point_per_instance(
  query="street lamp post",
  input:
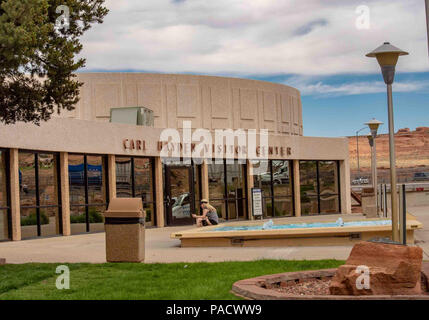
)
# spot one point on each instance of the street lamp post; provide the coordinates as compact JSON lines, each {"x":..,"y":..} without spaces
{"x":373,"y":126}
{"x":387,"y":57}
{"x":427,"y":20}
{"x":357,"y":149}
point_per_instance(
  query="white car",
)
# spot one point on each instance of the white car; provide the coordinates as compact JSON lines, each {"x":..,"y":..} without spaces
{"x":182,"y":206}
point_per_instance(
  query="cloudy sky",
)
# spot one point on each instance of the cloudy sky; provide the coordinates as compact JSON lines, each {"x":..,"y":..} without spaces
{"x":317,"y":46}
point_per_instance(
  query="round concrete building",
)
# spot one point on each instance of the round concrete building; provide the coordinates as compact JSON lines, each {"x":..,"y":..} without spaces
{"x":209,"y":102}
{"x":58,"y":178}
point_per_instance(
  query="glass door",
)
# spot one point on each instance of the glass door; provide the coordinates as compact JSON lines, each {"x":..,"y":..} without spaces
{"x":180,"y":195}
{"x":236,"y":190}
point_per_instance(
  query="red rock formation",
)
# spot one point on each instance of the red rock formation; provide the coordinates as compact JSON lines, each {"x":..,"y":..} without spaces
{"x":405,"y":130}
{"x":393,"y":270}
{"x":412,"y":149}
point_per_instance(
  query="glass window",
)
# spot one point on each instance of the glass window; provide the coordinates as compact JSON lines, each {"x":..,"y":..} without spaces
{"x":329,"y":204}
{"x":96,"y":183}
{"x":4,"y":224}
{"x":144,"y":186}
{"x":227,"y":188}
{"x":309,"y":205}
{"x":88,"y":192}
{"x":48,"y":193}
{"x":124,"y":186}
{"x":308,"y":177}
{"x":275,"y":180}
{"x":281,"y":179}
{"x":216,"y":181}
{"x":262,"y":177}
{"x":143,"y":179}
{"x":4,"y":205}
{"x":134,"y":178}
{"x":40,"y":206}
{"x":328,"y":177}
{"x":283,"y":207}
{"x":319,"y":187}
{"x":268,"y":206}
{"x":77,"y":179}
{"x":197,"y":188}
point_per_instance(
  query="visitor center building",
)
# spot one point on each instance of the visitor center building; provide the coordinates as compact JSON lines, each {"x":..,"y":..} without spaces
{"x":58,"y":178}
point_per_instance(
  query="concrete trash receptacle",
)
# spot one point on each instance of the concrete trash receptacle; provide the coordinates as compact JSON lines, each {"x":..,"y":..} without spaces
{"x":124,"y":225}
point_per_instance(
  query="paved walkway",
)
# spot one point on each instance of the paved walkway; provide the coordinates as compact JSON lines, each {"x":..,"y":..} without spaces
{"x":160,"y":248}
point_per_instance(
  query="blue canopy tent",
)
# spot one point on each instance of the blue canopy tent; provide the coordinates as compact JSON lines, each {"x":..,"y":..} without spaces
{"x":77,"y":176}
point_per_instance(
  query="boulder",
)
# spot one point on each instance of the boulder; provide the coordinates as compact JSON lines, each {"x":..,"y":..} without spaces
{"x":393,"y":270}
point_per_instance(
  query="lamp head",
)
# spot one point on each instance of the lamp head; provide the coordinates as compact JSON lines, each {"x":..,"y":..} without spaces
{"x":387,"y":57}
{"x":386,"y":54}
{"x":373,"y":125}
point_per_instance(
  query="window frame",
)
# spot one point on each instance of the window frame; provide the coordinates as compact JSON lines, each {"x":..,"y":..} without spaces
{"x":56,"y":156}
{"x":272,"y":197}
{"x":319,"y":195}
{"x":6,"y":154}
{"x":225,"y":198}
{"x":133,"y":182}
{"x":88,"y":205}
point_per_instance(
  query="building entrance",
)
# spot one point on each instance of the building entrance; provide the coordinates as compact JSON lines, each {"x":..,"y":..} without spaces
{"x":179,"y":194}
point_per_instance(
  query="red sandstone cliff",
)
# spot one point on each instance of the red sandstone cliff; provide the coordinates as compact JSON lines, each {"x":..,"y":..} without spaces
{"x":412,"y":149}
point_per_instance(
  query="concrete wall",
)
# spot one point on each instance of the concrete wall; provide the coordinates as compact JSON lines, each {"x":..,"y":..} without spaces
{"x":81,"y":136}
{"x":209,"y":102}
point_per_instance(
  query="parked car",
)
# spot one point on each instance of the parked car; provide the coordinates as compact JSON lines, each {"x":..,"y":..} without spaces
{"x":360,"y":180}
{"x":182,"y":206}
{"x":421,"y":176}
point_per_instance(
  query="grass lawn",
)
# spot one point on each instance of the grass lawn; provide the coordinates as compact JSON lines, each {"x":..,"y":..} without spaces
{"x":179,"y":281}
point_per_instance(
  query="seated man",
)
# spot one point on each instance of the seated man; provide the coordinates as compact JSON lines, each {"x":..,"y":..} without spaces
{"x":209,"y":216}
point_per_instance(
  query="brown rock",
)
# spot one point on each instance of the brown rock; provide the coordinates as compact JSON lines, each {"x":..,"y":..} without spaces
{"x":2,"y":261}
{"x":404,"y":130}
{"x":393,"y":270}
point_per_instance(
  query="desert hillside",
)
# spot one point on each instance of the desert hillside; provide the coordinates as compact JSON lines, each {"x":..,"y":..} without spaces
{"x":412,"y":149}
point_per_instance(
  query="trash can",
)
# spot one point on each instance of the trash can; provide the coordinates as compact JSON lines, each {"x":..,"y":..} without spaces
{"x":124,"y":226}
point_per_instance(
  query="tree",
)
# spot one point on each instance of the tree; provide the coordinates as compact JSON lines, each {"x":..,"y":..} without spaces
{"x":38,"y":55}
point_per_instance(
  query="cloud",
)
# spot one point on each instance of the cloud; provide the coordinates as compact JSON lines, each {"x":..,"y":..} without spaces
{"x":305,"y":29}
{"x":311,"y":37}
{"x":321,"y":89}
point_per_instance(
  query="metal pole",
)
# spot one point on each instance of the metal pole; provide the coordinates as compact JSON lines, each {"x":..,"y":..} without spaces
{"x":404,"y":225}
{"x":357,"y":150}
{"x":375,"y":174}
{"x":401,"y":216}
{"x":404,"y":213}
{"x":427,"y":20}
{"x":393,"y":189}
{"x":385,"y":200}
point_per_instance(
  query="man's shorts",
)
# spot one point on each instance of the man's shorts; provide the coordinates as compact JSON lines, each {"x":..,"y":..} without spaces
{"x":205,"y":224}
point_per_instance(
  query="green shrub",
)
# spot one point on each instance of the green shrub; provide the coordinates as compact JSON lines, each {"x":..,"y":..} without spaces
{"x":277,"y":212}
{"x":77,"y":218}
{"x":31,"y":219}
{"x":94,"y":217}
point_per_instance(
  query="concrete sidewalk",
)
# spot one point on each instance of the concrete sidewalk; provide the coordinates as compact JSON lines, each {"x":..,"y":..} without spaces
{"x":160,"y":248}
